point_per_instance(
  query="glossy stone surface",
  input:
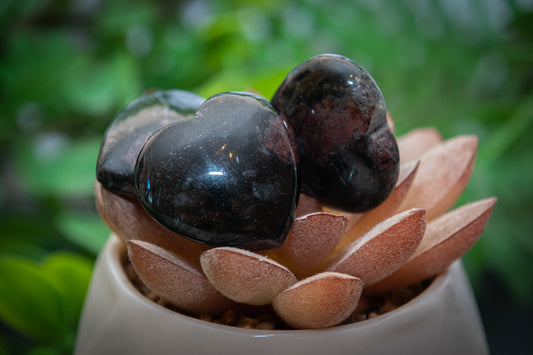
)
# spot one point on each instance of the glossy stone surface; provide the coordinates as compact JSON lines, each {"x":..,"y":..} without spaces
{"x":129,"y":131}
{"x":349,"y":156}
{"x":226,"y":178}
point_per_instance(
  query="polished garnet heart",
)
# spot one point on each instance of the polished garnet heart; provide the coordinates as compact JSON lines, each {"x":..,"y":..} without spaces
{"x":129,"y":131}
{"x":349,"y":156}
{"x":226,"y":177}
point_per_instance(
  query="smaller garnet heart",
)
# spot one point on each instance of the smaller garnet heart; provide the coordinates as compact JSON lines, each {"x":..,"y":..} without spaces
{"x":228,"y":177}
{"x":349,"y":155}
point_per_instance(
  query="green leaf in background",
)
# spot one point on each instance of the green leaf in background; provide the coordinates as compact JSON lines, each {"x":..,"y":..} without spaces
{"x":103,"y":85}
{"x":30,"y":236}
{"x":43,"y":301}
{"x":56,"y":165}
{"x":507,"y":245}
{"x":72,"y":274}
{"x":51,"y":57}
{"x":3,"y":345}
{"x":86,"y":231}
{"x":509,"y":132}
{"x":44,"y":350}
{"x":268,"y":83}
{"x":118,"y":16}
{"x":30,"y":300}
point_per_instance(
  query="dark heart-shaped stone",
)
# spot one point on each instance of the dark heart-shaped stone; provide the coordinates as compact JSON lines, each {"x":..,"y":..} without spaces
{"x":226,"y":178}
{"x":348,"y":153}
{"x":129,"y":131}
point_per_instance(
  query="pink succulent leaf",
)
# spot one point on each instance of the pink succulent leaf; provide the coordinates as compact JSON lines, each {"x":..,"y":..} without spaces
{"x":415,"y":143}
{"x":244,"y":276}
{"x":443,"y":174}
{"x":174,"y":279}
{"x":307,"y":205}
{"x":351,"y":218}
{"x":310,"y":240}
{"x":446,"y":239}
{"x":320,"y":301}
{"x":390,"y":121}
{"x":127,"y":219}
{"x":384,"y":249}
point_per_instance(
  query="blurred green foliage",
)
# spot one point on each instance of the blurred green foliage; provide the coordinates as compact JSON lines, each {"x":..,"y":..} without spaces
{"x":67,"y":67}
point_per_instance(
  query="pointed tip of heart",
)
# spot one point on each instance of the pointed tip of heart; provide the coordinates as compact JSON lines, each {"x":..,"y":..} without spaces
{"x":320,"y":301}
{"x":244,"y":276}
{"x":173,"y":279}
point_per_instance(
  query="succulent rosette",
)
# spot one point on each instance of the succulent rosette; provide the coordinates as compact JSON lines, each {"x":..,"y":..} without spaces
{"x":305,"y":204}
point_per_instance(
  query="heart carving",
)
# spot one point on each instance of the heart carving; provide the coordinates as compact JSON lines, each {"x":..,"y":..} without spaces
{"x":227,"y":177}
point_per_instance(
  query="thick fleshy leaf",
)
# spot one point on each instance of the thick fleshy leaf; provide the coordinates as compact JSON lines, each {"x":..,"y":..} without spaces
{"x":72,"y":273}
{"x":371,"y":218}
{"x":351,"y":218}
{"x":310,"y":240}
{"x":443,"y":174}
{"x":175,"y":280}
{"x":415,"y":143}
{"x":30,"y":300}
{"x":320,"y":301}
{"x":244,"y":276}
{"x":446,"y":239}
{"x":127,"y":219}
{"x":43,"y":301}
{"x":384,"y":248}
{"x":307,"y":205}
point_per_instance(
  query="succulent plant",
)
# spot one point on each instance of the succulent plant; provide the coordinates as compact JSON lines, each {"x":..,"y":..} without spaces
{"x":321,"y":260}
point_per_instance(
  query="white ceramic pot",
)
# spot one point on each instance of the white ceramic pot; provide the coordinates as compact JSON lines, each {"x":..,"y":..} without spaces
{"x":117,"y":319}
